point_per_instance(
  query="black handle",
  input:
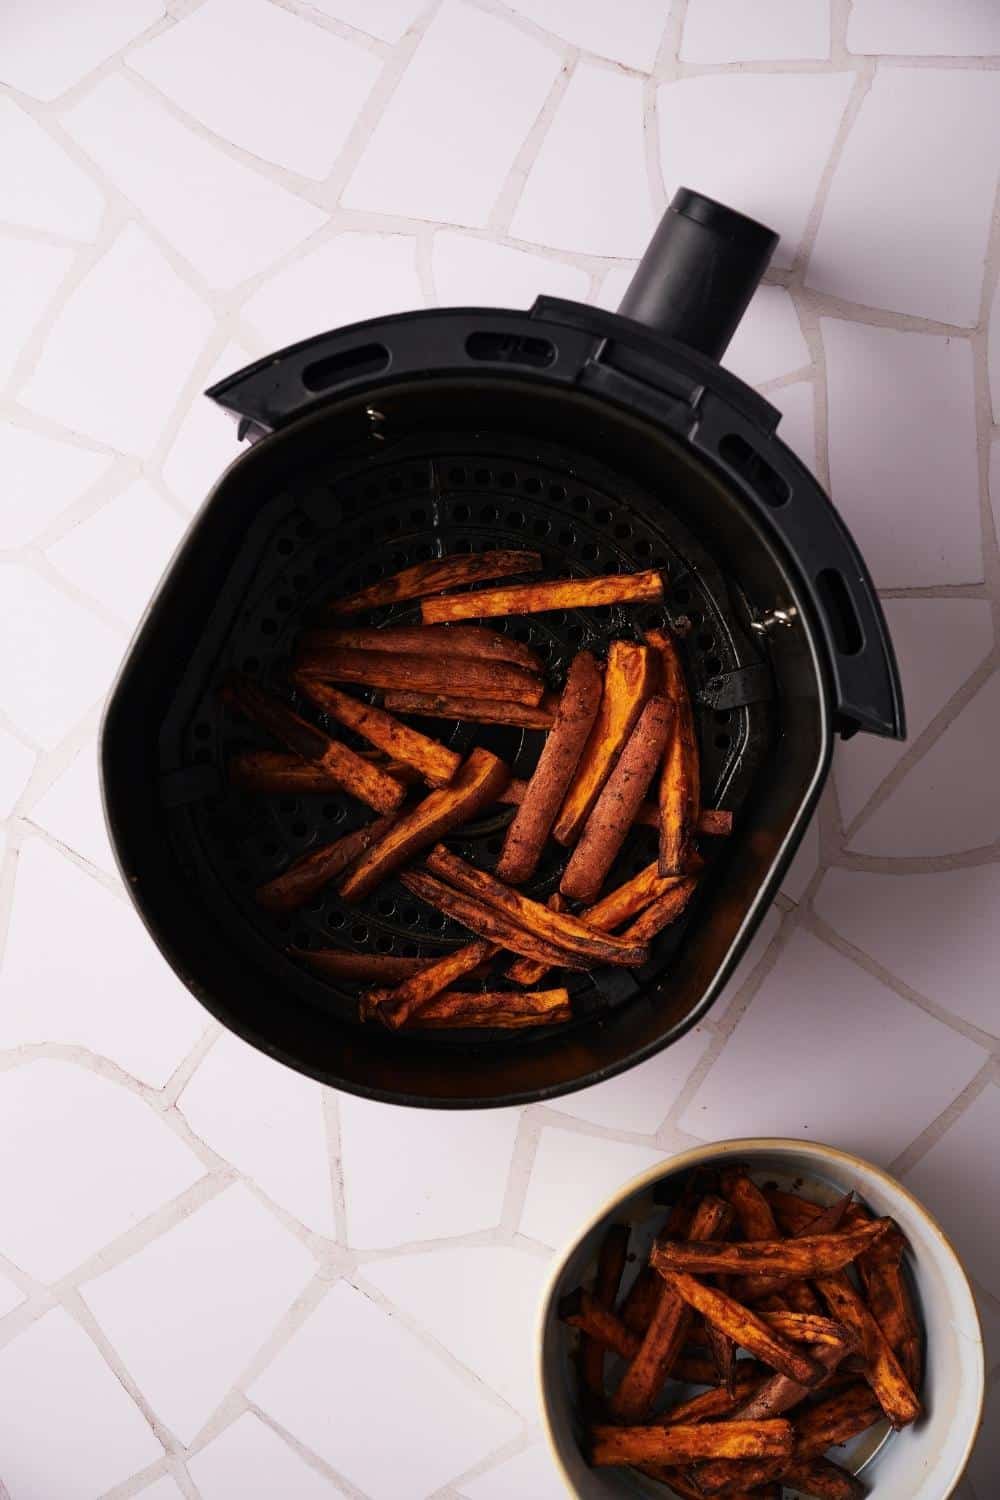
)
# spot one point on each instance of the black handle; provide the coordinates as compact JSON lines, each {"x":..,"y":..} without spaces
{"x":697,"y":276}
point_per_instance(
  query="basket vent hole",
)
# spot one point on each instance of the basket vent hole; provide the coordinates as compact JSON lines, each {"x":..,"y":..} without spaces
{"x":623,"y":530}
{"x":436,"y":920}
{"x":713,"y":665}
{"x":383,"y":944}
{"x":489,"y":513}
{"x":508,"y":479}
{"x":531,"y":485}
{"x":706,"y":640}
{"x":457,"y":476}
{"x":515,"y":518}
{"x":567,"y":538}
{"x":386,"y":906}
{"x":590,"y":551}
{"x":461,"y":513}
{"x":541,"y":527}
{"x":359,"y":933}
{"x":581,"y":504}
{"x":483,"y":476}
{"x":336,"y":920}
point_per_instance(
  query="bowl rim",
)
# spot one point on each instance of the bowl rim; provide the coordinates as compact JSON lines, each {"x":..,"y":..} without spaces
{"x":694,"y":1156}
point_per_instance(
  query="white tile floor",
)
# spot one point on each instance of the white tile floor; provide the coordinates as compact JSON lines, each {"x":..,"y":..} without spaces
{"x":212,"y":1272}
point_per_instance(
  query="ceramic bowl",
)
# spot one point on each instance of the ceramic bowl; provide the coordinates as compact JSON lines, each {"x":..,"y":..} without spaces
{"x":923,"y":1462}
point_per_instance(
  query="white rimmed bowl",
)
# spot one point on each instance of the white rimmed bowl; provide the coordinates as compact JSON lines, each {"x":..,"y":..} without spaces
{"x":925,"y":1461}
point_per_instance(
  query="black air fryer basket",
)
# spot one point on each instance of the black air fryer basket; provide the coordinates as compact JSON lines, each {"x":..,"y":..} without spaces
{"x":608,"y":442}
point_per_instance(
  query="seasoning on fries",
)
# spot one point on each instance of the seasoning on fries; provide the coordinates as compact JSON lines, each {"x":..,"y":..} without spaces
{"x":534,"y":598}
{"x":433,"y":577}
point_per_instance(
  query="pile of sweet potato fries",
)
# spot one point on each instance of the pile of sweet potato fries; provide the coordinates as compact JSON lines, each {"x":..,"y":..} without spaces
{"x":817,"y":1298}
{"x":613,"y":730}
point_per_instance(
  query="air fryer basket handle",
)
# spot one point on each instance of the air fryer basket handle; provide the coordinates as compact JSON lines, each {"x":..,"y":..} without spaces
{"x":698,"y":274}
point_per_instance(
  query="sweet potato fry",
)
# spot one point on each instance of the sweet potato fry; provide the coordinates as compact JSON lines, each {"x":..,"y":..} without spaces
{"x":533,"y":598}
{"x":644,"y":1295}
{"x":882,"y":1369}
{"x":743,"y":1327}
{"x":559,"y":928}
{"x":806,"y":1328}
{"x":557,"y":763}
{"x":695,"y":1369}
{"x":836,"y":1419}
{"x":427,"y":640}
{"x":884,"y":1281}
{"x":677,"y":1481}
{"x":522,"y":970}
{"x":610,"y":1265}
{"x":349,"y":770}
{"x":434,"y":761}
{"x":474,"y":710}
{"x":723,"y":1352}
{"x":630,"y":679}
{"x":307,"y":875}
{"x":719,"y":1402}
{"x":662,"y":1342}
{"x":824,"y":1480}
{"x":487,"y":922}
{"x":582,"y":1309}
{"x":376,"y":968}
{"x":395,"y":1007}
{"x":613,"y":813}
{"x":495,"y":680}
{"x":688,"y":1443}
{"x":680,"y":779}
{"x":756,"y":1220}
{"x":661,"y":912}
{"x":477,"y":782}
{"x":779,"y":1393}
{"x":713,"y":822}
{"x":433,"y":577}
{"x":809,"y":1255}
{"x":502,"y":1010}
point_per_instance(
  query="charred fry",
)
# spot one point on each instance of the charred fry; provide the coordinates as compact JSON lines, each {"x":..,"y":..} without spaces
{"x":680,"y":779}
{"x":718,"y":1402}
{"x":495,"y":680}
{"x":806,"y":1328}
{"x":757,"y":1222}
{"x":779,"y":1393}
{"x":488,"y":922}
{"x":713,"y":822}
{"x":743,"y":1327}
{"x":396,"y":1007}
{"x":613,"y":813}
{"x":434,"y":761}
{"x":503,"y":1010}
{"x":610,"y":1265}
{"x":882,"y":1369}
{"x":305,"y":876}
{"x":428,"y":640}
{"x":688,"y":1443}
{"x":378,"y":968}
{"x":661,"y":912}
{"x":805,"y":1256}
{"x":477,"y":782}
{"x":475,"y":710}
{"x":433,"y":577}
{"x":823,"y":1480}
{"x":533,"y":598}
{"x":581,"y":1309}
{"x":552,"y":775}
{"x":522,"y":970}
{"x":881,"y":1272}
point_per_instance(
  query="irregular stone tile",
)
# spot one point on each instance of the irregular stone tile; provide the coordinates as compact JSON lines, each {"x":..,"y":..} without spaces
{"x":477,"y":273}
{"x":10,"y":1296}
{"x":137,"y":524}
{"x":768,"y":341}
{"x":41,"y":478}
{"x":629,"y":34}
{"x":787,"y":117}
{"x":938,"y":932}
{"x":95,"y":374}
{"x":16,"y":763}
{"x":907,"y":177}
{"x":948,"y":802}
{"x":756,"y":949}
{"x":268,"y":1121}
{"x":35,"y":64}
{"x":188,"y":1311}
{"x":817,"y":1009}
{"x":922,"y":27}
{"x":410,"y":1175}
{"x":531,"y":1472}
{"x":350,"y":278}
{"x":380,"y":1366}
{"x":571,"y":1176}
{"x":280,"y":87}
{"x":984,"y":1464}
{"x":724,"y":31}
{"x":797,"y":428}
{"x":615,"y":285}
{"x":959,"y":1180}
{"x":902,"y":434}
{"x":938,"y":644}
{"x":102,"y":985}
{"x":480,"y":1303}
{"x":57,"y":1385}
{"x":420,"y":160}
{"x":386,"y":19}
{"x":206,"y":442}
{"x":805,"y":864}
{"x":71,"y":810}
{"x":226,"y":219}
{"x":58,"y":659}
{"x":587,"y":189}
{"x":641,"y":1098}
{"x":84,"y":1160}
{"x":30,"y":274}
{"x":250,"y":1460}
{"x":40,"y":187}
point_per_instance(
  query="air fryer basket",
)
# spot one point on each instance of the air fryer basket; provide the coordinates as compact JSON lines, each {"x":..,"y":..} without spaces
{"x":498,"y":447}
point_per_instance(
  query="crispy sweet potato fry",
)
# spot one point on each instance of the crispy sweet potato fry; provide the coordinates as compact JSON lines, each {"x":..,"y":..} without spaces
{"x":533,"y":598}
{"x":395,"y":1007}
{"x":487,"y":922}
{"x":433,"y":577}
{"x":434,"y":761}
{"x":680,"y":779}
{"x":376,"y":968}
{"x":477,"y":782}
{"x":836,"y":1419}
{"x":560,"y":928}
{"x":610,"y":1265}
{"x":757,"y":1222}
{"x":350,"y":771}
{"x":662,"y":911}
{"x":474,"y":710}
{"x":662,"y":1342}
{"x":808,"y":1255}
{"x":824,"y":1480}
{"x":502,"y":1010}
{"x":712,"y":822}
{"x":688,"y":1443}
{"x":613,"y":813}
{"x":806,"y":1328}
{"x":719,"y":1402}
{"x":687,"y":1489}
{"x":581,"y":1309}
{"x":779,"y":1393}
{"x":630,"y":678}
{"x":644,"y":1295}
{"x":546,"y":789}
{"x":884,"y":1281}
{"x":307,"y":875}
{"x":743,"y":1327}
{"x":495,"y":680}
{"x":522,"y":970}
{"x":695,"y":1369}
{"x":427,"y":640}
{"x":882,"y":1369}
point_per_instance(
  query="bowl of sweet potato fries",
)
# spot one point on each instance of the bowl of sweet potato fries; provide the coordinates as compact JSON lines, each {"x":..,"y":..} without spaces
{"x":761,"y":1318}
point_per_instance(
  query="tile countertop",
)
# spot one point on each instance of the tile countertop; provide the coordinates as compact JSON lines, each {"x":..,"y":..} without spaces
{"x":220,"y":1268}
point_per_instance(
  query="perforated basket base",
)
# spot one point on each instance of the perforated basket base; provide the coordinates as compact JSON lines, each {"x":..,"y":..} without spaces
{"x":349,"y":526}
